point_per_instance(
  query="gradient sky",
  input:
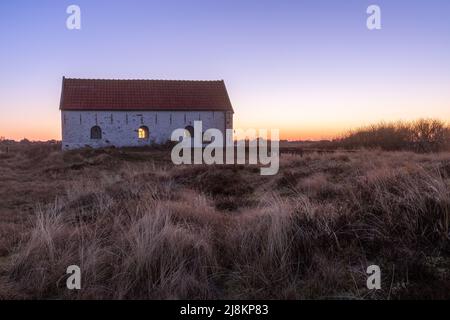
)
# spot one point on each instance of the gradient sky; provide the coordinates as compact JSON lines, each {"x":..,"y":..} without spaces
{"x":310,"y":68}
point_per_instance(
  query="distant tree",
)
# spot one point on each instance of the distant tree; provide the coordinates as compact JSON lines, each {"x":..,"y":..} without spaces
{"x":429,"y":135}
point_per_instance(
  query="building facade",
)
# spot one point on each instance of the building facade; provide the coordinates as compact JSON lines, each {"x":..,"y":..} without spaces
{"x":133,"y":113}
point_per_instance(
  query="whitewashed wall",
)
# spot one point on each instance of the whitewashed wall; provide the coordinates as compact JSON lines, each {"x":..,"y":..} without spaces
{"x":120,"y":128}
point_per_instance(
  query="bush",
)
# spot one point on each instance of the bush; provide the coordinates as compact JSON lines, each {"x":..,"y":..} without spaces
{"x":424,"y":135}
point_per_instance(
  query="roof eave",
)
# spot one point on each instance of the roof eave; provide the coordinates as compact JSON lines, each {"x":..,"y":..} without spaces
{"x":61,"y":100}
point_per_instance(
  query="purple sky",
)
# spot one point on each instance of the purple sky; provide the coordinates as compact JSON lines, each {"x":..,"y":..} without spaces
{"x":310,"y":68}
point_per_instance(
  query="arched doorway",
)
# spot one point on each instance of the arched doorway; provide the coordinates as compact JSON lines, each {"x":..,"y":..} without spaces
{"x":189,"y":132}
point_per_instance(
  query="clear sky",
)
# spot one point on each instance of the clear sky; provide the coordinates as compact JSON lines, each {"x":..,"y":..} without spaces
{"x":310,"y":68}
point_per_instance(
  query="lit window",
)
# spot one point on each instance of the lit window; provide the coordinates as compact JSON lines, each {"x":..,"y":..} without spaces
{"x":143,"y":133}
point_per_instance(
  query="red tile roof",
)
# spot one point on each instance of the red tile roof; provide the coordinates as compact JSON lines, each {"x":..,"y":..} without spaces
{"x":89,"y":94}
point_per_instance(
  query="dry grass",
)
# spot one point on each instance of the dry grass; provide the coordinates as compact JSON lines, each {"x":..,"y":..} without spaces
{"x":140,"y":228}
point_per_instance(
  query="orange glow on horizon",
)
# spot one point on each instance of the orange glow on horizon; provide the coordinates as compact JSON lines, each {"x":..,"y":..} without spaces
{"x":41,"y":133}
{"x":54,"y":134}
{"x":48,"y":127}
{"x":310,"y":132}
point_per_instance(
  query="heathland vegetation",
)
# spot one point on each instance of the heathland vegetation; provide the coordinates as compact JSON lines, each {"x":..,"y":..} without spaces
{"x":424,"y":135}
{"x":140,"y":227}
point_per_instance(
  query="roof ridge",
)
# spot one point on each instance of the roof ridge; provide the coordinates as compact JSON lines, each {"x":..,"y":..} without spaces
{"x":171,"y":80}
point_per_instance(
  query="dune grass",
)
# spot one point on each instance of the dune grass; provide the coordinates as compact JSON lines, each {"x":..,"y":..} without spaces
{"x":140,"y":228}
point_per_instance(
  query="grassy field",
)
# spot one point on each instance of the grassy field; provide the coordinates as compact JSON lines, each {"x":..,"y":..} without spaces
{"x":141,"y":228}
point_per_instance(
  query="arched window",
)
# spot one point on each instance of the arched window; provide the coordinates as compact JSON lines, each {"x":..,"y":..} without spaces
{"x":143,"y":133}
{"x":189,"y":131}
{"x":96,"y":133}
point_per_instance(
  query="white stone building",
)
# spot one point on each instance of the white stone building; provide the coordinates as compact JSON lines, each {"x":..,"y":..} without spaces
{"x":131,"y":113}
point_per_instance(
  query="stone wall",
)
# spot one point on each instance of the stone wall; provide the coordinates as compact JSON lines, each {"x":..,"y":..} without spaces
{"x":120,"y":128}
